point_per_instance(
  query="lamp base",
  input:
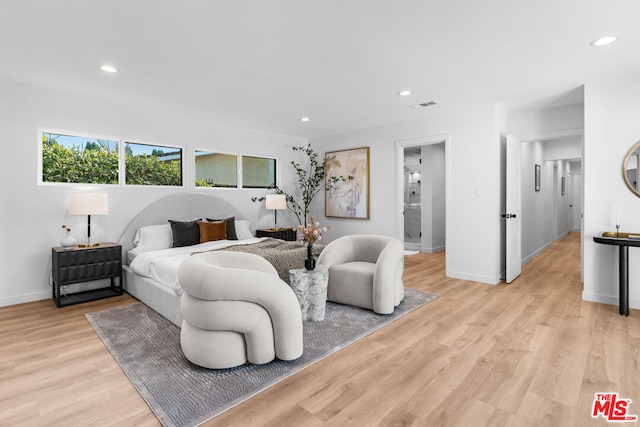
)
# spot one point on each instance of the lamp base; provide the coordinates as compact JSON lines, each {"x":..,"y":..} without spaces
{"x":88,"y":245}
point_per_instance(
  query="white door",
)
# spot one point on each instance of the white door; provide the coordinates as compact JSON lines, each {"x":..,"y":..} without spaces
{"x":576,"y":192}
{"x":513,"y":215}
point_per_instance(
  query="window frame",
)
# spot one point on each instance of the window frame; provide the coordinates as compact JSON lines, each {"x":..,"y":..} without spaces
{"x":260,"y":156}
{"x":214,"y":151}
{"x":183,"y":155}
{"x":66,"y":132}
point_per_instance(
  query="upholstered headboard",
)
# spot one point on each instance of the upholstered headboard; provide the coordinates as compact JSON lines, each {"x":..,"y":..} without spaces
{"x":179,"y":206}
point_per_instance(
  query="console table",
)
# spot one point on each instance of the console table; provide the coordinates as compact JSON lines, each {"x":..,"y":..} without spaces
{"x":623,"y":269}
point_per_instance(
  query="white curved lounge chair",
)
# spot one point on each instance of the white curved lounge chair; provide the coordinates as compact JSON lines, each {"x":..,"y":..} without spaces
{"x":365,"y":271}
{"x":236,"y":309}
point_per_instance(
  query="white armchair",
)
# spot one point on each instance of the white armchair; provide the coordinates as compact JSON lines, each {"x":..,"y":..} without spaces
{"x":236,"y":309}
{"x":365,"y":271}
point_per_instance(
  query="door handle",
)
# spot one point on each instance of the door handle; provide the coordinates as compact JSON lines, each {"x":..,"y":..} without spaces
{"x":507,"y":216}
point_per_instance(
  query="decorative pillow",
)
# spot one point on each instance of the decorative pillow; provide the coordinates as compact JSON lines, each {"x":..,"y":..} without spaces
{"x":210,"y":231}
{"x":243,"y":230}
{"x":152,"y":237}
{"x":185,"y":233}
{"x":231,"y":226}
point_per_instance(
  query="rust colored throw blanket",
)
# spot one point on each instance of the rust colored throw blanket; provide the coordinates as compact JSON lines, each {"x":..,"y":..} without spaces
{"x":284,"y":256}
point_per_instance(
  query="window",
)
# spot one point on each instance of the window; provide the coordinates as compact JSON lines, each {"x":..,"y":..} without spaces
{"x":152,"y":164}
{"x":216,"y":169}
{"x":258,"y":172}
{"x":78,"y":159}
{"x":70,"y":157}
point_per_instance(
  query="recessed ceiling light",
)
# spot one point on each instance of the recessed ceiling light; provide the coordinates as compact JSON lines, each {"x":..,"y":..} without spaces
{"x":304,"y":119}
{"x":404,"y":93}
{"x":603,"y":41}
{"x":108,"y":68}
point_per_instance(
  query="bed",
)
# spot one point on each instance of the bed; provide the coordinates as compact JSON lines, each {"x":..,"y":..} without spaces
{"x":150,"y":264}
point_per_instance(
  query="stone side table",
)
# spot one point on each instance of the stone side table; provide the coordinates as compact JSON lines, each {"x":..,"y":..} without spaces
{"x":311,"y":289}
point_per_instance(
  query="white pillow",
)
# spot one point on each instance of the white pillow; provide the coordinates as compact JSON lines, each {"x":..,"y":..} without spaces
{"x":152,"y":237}
{"x":243,"y":229}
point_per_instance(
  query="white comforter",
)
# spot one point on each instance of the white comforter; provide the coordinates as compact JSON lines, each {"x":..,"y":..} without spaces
{"x":162,"y":265}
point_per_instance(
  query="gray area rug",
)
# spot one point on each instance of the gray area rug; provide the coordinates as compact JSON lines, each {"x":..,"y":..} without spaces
{"x":147,"y":347}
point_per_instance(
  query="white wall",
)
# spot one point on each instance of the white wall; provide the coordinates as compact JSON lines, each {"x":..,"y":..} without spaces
{"x":32,"y":215}
{"x":536,"y":205}
{"x":611,"y":116}
{"x":473,"y":179}
{"x":563,"y":149}
{"x":433,"y":173}
{"x":534,"y":124}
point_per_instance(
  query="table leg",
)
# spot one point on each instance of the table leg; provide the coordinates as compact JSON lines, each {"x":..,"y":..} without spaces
{"x":624,"y":280}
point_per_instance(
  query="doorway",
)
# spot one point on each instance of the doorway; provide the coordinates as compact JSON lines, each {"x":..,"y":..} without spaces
{"x":422,"y":185}
{"x":412,"y":198}
{"x":552,"y":210}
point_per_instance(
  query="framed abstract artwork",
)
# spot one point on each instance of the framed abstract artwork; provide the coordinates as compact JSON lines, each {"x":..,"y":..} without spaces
{"x":347,"y":183}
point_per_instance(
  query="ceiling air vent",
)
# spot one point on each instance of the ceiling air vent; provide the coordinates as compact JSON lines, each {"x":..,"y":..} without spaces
{"x":424,"y":104}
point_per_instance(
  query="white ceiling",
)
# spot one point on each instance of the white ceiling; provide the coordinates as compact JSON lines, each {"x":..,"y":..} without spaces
{"x":264,"y":64}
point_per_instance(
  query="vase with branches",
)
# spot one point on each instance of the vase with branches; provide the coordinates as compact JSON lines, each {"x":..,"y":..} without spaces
{"x":311,"y":180}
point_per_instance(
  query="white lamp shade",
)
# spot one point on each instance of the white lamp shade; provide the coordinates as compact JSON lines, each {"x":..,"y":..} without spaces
{"x":276,"y":201}
{"x":88,"y":204}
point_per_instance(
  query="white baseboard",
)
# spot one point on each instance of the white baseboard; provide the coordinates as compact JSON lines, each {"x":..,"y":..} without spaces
{"x":21,"y":299}
{"x":536,"y":253}
{"x":473,"y":277}
{"x":434,"y":250}
{"x":46,"y":294}
{"x":410,"y":246}
{"x":609,"y":299}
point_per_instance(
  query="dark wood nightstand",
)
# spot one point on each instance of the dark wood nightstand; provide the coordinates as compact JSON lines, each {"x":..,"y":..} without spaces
{"x":288,"y":234}
{"x":79,"y":265}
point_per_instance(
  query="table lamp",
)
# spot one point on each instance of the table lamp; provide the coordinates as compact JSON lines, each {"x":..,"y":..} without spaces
{"x":276,"y":202}
{"x":88,"y":204}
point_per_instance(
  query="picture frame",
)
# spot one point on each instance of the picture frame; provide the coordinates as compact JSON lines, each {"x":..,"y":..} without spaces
{"x":348,"y":196}
{"x":537,"y":177}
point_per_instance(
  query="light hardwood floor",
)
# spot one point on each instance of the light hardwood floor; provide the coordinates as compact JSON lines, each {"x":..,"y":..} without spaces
{"x":528,"y":353}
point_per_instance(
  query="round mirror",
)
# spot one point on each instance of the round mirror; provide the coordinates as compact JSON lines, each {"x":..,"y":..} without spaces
{"x":630,"y":169}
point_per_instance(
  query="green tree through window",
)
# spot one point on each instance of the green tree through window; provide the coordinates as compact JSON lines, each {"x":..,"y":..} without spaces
{"x":79,"y":160}
{"x":84,"y":160}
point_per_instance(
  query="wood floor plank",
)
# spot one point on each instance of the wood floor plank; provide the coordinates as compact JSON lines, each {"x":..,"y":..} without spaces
{"x":528,"y":353}
{"x":536,"y":411}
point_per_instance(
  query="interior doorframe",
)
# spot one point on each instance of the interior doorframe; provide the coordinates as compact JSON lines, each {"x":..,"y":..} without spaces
{"x":548,"y":136}
{"x":400,"y":145}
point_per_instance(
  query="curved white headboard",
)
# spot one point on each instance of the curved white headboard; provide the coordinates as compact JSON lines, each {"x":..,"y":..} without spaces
{"x":180,"y":207}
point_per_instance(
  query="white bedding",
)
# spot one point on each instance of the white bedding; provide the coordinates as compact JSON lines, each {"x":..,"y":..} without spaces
{"x":162,"y":265}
